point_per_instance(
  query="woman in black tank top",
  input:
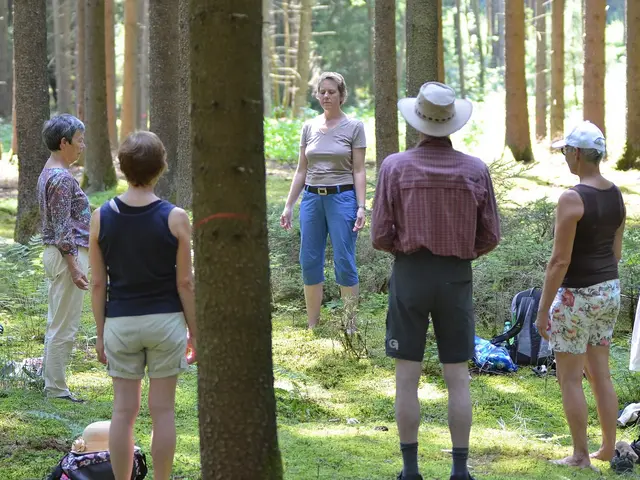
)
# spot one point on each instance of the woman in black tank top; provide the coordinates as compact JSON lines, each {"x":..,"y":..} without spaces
{"x":581,"y":294}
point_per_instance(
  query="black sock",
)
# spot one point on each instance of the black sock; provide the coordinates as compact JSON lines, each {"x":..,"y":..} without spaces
{"x":460,"y":457}
{"x":409,"y":458}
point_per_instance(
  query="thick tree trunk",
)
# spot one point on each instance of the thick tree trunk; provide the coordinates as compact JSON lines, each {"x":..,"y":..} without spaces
{"x":142,"y":111}
{"x":80,"y":56}
{"x":61,"y":47}
{"x":110,"y":56}
{"x":517,"y":121}
{"x":631,"y":155}
{"x":184,"y":182}
{"x":128,"y":120}
{"x":99,"y":172}
{"x":386,"y":82}
{"x":458,"y":40}
{"x":440,"y":45}
{"x":557,"y":70}
{"x":267,"y":22}
{"x":370,"y":14}
{"x":233,"y":303}
{"x":475,"y":5}
{"x":422,"y":51}
{"x":32,"y":108}
{"x":14,"y":130}
{"x":6,"y":59}
{"x":304,"y":51}
{"x":595,"y":21}
{"x":541,"y":70}
{"x":163,"y":89}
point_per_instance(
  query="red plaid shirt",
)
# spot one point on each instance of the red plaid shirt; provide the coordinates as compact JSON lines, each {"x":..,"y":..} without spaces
{"x":437,"y":198}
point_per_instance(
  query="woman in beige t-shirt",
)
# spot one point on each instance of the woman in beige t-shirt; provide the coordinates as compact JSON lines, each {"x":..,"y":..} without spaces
{"x":332,"y":174}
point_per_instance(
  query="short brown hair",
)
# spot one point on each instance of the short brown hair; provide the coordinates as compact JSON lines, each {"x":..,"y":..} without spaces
{"x":339,"y":79}
{"x":143,"y":158}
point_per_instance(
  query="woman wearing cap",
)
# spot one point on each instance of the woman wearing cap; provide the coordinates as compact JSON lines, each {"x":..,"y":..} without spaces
{"x":140,"y":253}
{"x":331,"y":172}
{"x":581,"y":294}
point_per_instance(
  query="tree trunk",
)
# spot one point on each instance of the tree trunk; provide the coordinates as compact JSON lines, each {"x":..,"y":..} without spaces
{"x":99,"y":172}
{"x":184,"y":182}
{"x":386,"y":82}
{"x":304,"y":51}
{"x":541,"y":69}
{"x":142,"y":111}
{"x":80,"y":56}
{"x":440,"y":45}
{"x":130,"y":81}
{"x":422,"y":51}
{"x":500,"y":50}
{"x":401,"y":53}
{"x":267,"y":22}
{"x":476,"y":15}
{"x":517,"y":121}
{"x":631,"y":155}
{"x":6,"y":59}
{"x":110,"y":56}
{"x":595,"y":21}
{"x":164,"y":54}
{"x":61,"y":45}
{"x":490,"y":39}
{"x":286,"y":93}
{"x":557,"y":70}
{"x":233,"y":304}
{"x":458,"y":41}
{"x":14,"y":130}
{"x":370,"y":14}
{"x":32,"y":108}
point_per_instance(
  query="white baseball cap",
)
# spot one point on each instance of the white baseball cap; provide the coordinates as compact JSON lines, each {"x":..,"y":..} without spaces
{"x":584,"y":135}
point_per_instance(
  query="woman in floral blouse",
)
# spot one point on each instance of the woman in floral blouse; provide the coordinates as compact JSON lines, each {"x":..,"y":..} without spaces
{"x":65,"y":216}
{"x":581,"y":295}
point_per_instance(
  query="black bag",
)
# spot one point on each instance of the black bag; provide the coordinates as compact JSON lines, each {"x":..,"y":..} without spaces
{"x":95,"y":466}
{"x":524,"y":343}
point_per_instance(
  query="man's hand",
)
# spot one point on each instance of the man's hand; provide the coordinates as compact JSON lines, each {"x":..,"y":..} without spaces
{"x":79,"y":278}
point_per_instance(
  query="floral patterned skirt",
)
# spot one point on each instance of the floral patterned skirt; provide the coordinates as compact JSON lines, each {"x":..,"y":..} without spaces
{"x":584,"y":316}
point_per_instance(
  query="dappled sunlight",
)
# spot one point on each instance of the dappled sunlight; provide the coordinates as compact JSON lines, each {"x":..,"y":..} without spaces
{"x":430,"y":391}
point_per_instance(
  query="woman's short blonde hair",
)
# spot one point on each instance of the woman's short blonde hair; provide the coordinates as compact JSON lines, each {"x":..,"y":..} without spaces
{"x":336,"y":77}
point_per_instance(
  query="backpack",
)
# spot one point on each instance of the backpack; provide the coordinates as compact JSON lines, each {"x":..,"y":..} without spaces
{"x":524,"y":343}
{"x":95,"y":466}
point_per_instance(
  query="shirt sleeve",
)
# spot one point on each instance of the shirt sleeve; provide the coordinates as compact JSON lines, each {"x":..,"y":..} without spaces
{"x":303,"y":135}
{"x":59,"y":193}
{"x":383,"y":231}
{"x":359,"y":137}
{"x":488,"y":230}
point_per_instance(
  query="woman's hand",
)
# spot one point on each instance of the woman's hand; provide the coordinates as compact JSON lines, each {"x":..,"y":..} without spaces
{"x":360,"y":220}
{"x":191,"y":349}
{"x":102,"y":358}
{"x":543,"y":325}
{"x":286,"y":217}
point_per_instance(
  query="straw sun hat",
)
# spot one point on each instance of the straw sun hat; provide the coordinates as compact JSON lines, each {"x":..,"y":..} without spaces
{"x":95,"y":438}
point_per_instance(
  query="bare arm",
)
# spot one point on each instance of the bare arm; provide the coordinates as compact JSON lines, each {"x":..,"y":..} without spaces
{"x":181,"y":229}
{"x":617,"y":242}
{"x":570,"y":211}
{"x":360,"y":182}
{"x":98,"y":283}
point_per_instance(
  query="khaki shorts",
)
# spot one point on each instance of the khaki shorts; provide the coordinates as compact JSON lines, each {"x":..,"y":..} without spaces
{"x":157,"y":342}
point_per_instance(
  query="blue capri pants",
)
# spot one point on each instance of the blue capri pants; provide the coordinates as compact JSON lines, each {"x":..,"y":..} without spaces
{"x":334,"y":214}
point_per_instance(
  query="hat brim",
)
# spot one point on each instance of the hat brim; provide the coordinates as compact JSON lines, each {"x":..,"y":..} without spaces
{"x":559,"y":143}
{"x":463,"y":107}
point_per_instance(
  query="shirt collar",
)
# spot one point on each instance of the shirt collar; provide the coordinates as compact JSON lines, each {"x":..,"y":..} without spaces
{"x":436,"y":142}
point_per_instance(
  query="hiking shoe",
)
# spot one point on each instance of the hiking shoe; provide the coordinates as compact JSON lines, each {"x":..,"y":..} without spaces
{"x":409,"y":477}
{"x":71,"y":398}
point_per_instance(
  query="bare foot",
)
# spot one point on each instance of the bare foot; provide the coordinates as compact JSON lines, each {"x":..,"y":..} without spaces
{"x":313,"y":325}
{"x":603,"y":454}
{"x":573,"y":461}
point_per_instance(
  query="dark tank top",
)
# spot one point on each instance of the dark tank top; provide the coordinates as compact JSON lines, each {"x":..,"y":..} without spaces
{"x":592,"y":259}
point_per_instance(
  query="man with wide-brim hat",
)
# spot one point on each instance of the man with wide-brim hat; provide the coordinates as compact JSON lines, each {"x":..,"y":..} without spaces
{"x":435,"y":211}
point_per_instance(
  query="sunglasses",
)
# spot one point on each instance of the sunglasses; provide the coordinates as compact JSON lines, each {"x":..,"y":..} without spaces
{"x":565,"y":149}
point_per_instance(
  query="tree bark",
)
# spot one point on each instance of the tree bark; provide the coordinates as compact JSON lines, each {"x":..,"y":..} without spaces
{"x":80,"y":56}
{"x":458,"y":41}
{"x":475,"y":5}
{"x":541,"y":69}
{"x":267,"y":22}
{"x":63,"y":81}
{"x":184,"y":183}
{"x":440,"y":45}
{"x":386,"y":82}
{"x":110,"y":56}
{"x":14,"y":130}
{"x":163,"y":88}
{"x":231,"y":247}
{"x":304,"y":51}
{"x":557,"y":70}
{"x":595,"y":21}
{"x":517,"y":122}
{"x":490,"y":39}
{"x":32,"y":109}
{"x":6,"y":58}
{"x":500,"y":43}
{"x":99,"y":172}
{"x":631,"y":156}
{"x":128,"y":120}
{"x":142,"y":111}
{"x":422,"y":51}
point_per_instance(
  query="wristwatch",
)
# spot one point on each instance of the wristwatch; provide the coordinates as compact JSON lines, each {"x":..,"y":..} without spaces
{"x":363,"y":206}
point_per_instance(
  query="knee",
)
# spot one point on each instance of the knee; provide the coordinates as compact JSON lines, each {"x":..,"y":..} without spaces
{"x":312,"y":263}
{"x":161,"y":408}
{"x":346,"y":270}
{"x":456,"y":375}
{"x":126,"y":411}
